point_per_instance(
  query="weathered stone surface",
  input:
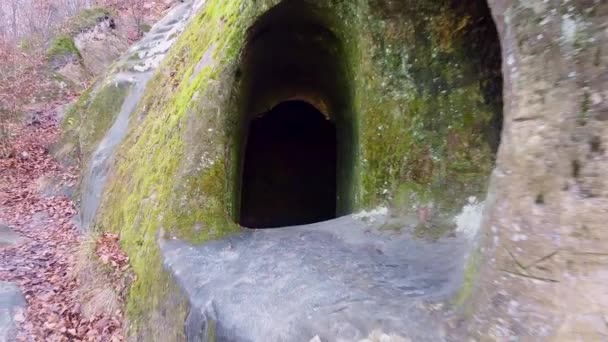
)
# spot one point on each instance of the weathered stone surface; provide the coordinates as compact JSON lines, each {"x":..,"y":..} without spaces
{"x":100,"y":46}
{"x":74,"y":72}
{"x":340,"y":280}
{"x":9,"y":237}
{"x":545,"y":249}
{"x":54,"y":186}
{"x":12,"y":306}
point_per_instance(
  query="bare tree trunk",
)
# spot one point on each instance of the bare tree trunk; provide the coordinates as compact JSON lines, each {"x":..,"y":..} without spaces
{"x":3,"y":27}
{"x":7,"y":102}
{"x":137,"y":11}
{"x":14,"y":22}
{"x":5,"y":150}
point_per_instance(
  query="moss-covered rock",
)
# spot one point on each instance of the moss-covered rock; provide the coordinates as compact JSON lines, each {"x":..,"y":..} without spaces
{"x":87,"y":19}
{"x":62,"y":45}
{"x":423,"y":82}
{"x":86,"y":44}
{"x":87,"y":120}
{"x":430,"y":102}
{"x":420,"y":104}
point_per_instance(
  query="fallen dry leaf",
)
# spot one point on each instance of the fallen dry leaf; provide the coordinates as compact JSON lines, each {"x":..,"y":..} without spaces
{"x":43,"y":267}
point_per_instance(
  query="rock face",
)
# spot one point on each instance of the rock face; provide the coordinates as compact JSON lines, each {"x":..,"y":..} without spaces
{"x":95,"y":38}
{"x":415,"y":91}
{"x":545,"y":236}
{"x":12,"y":305}
{"x":101,"y":45}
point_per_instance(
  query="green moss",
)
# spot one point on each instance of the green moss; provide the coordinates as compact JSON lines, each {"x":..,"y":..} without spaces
{"x":67,"y":150}
{"x":408,"y":195}
{"x":165,"y":178}
{"x":145,"y":28}
{"x":62,"y":45}
{"x":86,"y":121}
{"x":471,"y":273}
{"x":211,"y":332}
{"x":433,"y":231}
{"x":72,"y":117}
{"x":166,"y":308}
{"x":98,"y":115}
{"x":419,"y":91}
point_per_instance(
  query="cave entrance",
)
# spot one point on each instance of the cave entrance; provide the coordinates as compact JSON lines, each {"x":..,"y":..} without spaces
{"x":296,"y":144}
{"x":289,"y":174}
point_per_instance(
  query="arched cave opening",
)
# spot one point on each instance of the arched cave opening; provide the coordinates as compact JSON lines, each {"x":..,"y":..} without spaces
{"x":297,"y":143}
{"x":289,"y":173}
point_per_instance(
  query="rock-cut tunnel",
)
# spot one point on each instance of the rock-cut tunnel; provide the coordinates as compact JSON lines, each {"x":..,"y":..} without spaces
{"x":298,"y":151}
{"x":298,"y":140}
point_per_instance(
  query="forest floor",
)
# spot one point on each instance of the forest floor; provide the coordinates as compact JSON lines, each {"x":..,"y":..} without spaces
{"x":74,"y":283}
{"x":46,"y":265}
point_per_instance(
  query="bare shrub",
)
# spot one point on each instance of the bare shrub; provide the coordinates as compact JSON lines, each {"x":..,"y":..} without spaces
{"x":36,"y":19}
{"x":95,"y":291}
{"x":19,"y":78}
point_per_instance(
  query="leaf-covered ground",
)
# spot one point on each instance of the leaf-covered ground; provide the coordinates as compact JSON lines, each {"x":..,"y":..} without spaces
{"x":45,"y":266}
{"x":74,"y":283}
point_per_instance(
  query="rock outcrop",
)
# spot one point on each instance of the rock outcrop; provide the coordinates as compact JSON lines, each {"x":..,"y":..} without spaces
{"x":544,"y":246}
{"x":423,"y":125}
{"x":93,"y":39}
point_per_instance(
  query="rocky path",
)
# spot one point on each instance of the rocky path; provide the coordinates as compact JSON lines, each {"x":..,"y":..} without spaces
{"x":39,"y":241}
